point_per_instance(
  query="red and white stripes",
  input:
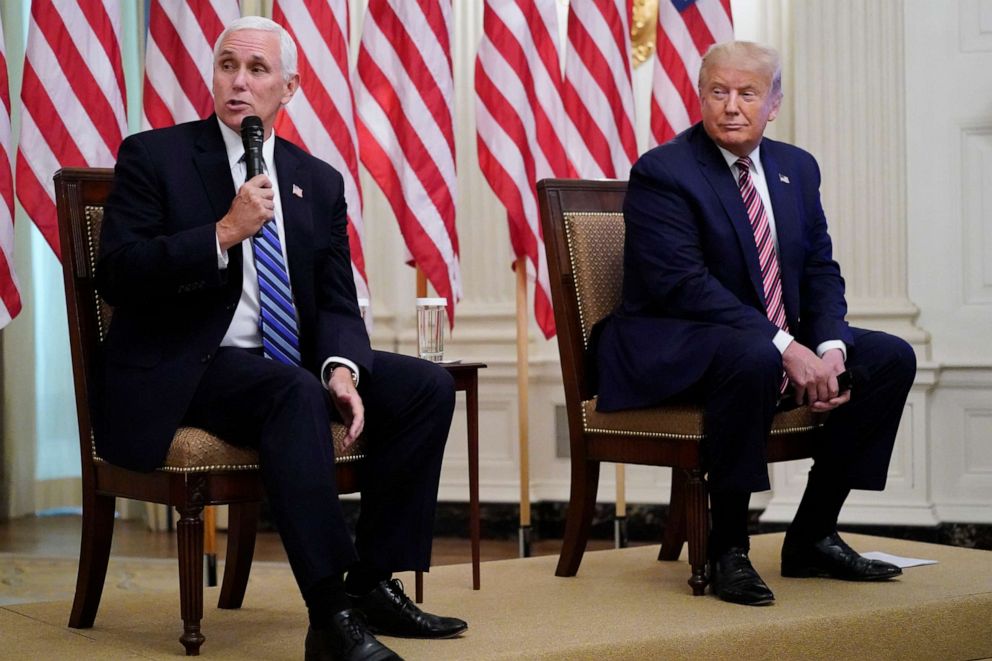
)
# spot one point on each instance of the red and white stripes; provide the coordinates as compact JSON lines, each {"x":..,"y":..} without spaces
{"x":179,"y":59}
{"x":321,"y":116}
{"x":520,"y":125}
{"x":686,"y":28}
{"x":404,"y":95}
{"x":73,"y":99}
{"x":10,"y":295}
{"x":599,"y":98}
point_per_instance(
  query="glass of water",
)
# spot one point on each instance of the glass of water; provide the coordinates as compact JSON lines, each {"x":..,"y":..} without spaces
{"x":430,"y":328}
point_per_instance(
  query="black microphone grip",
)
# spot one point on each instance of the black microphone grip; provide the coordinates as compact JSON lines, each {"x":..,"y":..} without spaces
{"x":252,"y":136}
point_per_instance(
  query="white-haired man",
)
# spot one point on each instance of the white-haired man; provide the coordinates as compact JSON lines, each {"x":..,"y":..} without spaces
{"x":235,"y":311}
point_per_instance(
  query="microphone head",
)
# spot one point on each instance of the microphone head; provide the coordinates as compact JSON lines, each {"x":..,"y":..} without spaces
{"x":251,"y":128}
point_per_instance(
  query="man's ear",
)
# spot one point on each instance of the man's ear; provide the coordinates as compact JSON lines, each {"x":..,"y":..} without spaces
{"x":292,"y":85}
{"x":776,"y":106}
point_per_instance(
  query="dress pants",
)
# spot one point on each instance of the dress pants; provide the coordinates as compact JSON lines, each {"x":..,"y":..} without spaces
{"x":740,"y":393}
{"x":285,"y":412}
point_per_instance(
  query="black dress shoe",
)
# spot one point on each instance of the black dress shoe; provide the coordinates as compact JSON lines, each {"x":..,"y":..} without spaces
{"x":391,"y":612}
{"x":346,"y":639}
{"x":833,"y":558}
{"x":732,"y":578}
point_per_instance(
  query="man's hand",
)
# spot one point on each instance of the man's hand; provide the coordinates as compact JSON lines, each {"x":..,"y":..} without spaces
{"x":815,"y":379}
{"x":252,"y":207}
{"x":348,"y":403}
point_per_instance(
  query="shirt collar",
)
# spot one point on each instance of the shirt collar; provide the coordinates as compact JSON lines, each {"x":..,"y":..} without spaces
{"x":755,"y":157}
{"x":236,"y":148}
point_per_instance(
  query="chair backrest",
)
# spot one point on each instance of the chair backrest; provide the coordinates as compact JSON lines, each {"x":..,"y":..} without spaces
{"x":80,"y":194}
{"x":583,"y":236}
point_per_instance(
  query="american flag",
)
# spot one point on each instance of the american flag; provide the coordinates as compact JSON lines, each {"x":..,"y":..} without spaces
{"x":321,"y":116}
{"x":520,"y":125}
{"x":10,"y":296}
{"x":598,"y":95}
{"x":404,"y":95}
{"x":686,"y":28}
{"x":73,"y":100}
{"x":179,"y":59}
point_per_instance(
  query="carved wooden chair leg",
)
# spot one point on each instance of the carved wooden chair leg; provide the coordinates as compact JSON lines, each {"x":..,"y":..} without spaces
{"x":189,"y":532}
{"x":94,"y":552}
{"x":418,"y":590}
{"x":674,"y":536}
{"x":697,"y":509}
{"x":582,"y":502}
{"x":242,"y":524}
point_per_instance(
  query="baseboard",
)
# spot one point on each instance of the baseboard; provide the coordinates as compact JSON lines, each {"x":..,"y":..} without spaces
{"x":645,"y":523}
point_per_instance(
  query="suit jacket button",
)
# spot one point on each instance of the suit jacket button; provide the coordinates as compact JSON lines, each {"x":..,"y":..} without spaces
{"x":206,"y":359}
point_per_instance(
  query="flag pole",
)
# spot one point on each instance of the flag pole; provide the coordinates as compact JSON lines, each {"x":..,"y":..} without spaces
{"x":522,"y":411}
{"x":620,"y":519}
{"x":210,"y":543}
{"x":421,"y":283}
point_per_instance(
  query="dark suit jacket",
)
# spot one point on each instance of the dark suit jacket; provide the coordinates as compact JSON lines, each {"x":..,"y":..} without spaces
{"x":691,"y":268}
{"x":172,"y":305}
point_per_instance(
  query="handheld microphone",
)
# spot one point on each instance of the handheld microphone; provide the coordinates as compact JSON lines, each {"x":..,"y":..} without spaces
{"x":252,"y":136}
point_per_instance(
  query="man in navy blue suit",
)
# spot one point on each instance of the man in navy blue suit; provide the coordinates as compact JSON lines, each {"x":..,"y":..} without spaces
{"x":178,"y":260}
{"x":730,"y":288}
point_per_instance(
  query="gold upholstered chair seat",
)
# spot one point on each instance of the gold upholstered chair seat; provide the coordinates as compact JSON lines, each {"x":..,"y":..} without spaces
{"x":196,"y":450}
{"x":680,"y":421}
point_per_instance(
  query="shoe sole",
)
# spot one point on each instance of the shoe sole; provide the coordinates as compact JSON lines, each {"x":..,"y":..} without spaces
{"x":741,"y":602}
{"x":813,"y":572}
{"x":379,"y":632}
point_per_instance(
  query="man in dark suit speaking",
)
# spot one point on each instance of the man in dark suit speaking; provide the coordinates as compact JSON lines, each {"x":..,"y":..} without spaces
{"x":235,"y":311}
{"x":730,"y":289}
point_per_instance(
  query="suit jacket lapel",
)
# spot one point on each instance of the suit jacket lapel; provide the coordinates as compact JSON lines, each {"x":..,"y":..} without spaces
{"x":297,"y":218}
{"x":787,"y":229}
{"x":719,"y":176}
{"x":210,"y":159}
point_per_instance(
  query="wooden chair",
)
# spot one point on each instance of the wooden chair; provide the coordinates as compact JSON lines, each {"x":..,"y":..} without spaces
{"x":200,"y":470}
{"x":584,"y":238}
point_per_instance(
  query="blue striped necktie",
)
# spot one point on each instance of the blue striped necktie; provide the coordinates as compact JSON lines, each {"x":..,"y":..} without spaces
{"x":277,"y":318}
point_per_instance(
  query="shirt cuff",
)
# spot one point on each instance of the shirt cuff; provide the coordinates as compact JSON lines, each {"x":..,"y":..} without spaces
{"x":222,"y":258}
{"x":782,"y":340}
{"x":824,"y":347}
{"x":325,"y":372}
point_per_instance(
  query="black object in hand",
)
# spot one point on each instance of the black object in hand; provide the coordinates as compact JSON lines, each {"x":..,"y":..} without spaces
{"x":252,"y":136}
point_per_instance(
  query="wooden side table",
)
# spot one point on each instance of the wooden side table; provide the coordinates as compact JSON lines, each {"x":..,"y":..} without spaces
{"x":466,"y":377}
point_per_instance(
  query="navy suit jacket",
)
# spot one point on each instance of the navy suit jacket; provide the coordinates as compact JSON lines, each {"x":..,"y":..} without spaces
{"x":172,"y":305}
{"x":691,"y":268}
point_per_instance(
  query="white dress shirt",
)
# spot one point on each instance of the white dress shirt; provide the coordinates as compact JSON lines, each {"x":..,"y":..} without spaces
{"x":244,"y":330}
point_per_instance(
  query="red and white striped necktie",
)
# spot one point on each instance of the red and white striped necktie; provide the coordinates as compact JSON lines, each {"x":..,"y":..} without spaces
{"x":767,"y":259}
{"x":771,"y":278}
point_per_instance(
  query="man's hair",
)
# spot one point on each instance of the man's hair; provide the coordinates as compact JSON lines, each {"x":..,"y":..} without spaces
{"x":746,"y":55}
{"x":287,"y":47}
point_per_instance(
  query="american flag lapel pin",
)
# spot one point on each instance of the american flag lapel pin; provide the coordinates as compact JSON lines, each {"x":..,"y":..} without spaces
{"x":297,"y":191}
{"x":781,"y":177}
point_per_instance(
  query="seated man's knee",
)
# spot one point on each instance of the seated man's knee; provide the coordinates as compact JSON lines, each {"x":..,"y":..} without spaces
{"x":440,"y":386}
{"x":898,"y":356}
{"x":753,"y":357}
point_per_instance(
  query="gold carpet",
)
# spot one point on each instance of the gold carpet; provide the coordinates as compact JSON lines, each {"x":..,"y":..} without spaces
{"x":623,"y":605}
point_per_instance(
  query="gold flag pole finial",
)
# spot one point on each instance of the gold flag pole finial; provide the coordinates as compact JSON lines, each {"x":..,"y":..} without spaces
{"x":643,"y":30}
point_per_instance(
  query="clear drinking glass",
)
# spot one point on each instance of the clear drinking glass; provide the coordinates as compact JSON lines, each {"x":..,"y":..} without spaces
{"x":430,"y":328}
